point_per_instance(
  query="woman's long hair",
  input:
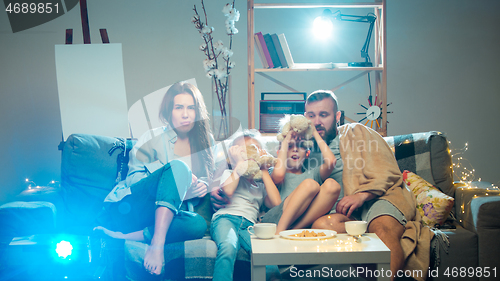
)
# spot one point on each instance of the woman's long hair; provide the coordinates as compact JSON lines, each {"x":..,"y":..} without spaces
{"x":202,"y":160}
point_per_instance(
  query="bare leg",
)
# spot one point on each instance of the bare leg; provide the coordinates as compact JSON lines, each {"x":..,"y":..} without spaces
{"x":332,"y":222}
{"x":390,"y":231}
{"x":134,"y":236}
{"x":321,"y":204}
{"x":154,"y":259}
{"x":297,"y":203}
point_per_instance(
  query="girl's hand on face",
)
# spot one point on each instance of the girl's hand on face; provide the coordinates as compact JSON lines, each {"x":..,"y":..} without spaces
{"x":313,"y":129}
{"x":235,"y":152}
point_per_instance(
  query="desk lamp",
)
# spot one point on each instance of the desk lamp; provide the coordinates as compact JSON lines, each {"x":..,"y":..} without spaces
{"x":324,"y":23}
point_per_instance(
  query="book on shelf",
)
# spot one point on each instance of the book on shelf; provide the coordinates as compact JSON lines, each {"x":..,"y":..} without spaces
{"x":261,"y":53}
{"x":286,"y":50}
{"x":279,"y":50}
{"x":265,"y":50}
{"x":272,"y":50}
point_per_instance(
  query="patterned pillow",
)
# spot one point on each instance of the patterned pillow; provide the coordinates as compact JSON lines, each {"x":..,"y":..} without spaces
{"x":433,"y":205}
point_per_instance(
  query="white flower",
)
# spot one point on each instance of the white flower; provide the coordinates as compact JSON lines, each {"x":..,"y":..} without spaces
{"x":210,"y":73}
{"x":234,"y":15}
{"x":208,"y":64}
{"x":211,"y":63}
{"x":207,"y":30}
{"x":214,"y":49}
{"x":220,"y":73}
{"x":205,"y":65}
{"x":231,"y":30}
{"x":226,"y":53}
{"x":218,"y":45}
{"x":227,"y":8}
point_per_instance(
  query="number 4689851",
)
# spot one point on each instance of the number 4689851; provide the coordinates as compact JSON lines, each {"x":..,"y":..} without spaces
{"x":32,"y":8}
{"x":470,"y":272}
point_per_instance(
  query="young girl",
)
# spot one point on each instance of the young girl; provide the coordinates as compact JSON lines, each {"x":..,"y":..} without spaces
{"x":306,"y":194}
{"x":229,"y":224}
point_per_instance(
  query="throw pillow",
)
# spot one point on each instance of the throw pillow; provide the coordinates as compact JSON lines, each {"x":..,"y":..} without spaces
{"x":433,"y":205}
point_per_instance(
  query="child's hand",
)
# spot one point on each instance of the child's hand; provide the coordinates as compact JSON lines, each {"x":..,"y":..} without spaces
{"x":235,"y":155}
{"x":315,"y":131}
{"x":287,"y":139}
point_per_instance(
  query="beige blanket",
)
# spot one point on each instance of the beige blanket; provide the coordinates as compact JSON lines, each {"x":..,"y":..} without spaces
{"x":370,"y":165}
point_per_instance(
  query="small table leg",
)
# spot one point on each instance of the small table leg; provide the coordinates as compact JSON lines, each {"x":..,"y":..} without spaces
{"x":258,"y":273}
{"x":383,"y":269}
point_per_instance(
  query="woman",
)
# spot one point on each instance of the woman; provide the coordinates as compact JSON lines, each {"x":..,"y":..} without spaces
{"x":146,"y":206}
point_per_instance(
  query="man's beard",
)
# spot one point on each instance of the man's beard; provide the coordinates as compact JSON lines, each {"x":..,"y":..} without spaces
{"x":331,"y":133}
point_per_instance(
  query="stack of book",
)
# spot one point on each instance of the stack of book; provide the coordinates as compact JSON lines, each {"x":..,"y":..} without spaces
{"x":273,"y":50}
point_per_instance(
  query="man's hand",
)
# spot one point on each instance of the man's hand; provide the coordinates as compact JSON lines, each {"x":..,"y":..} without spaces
{"x":349,"y":203}
{"x":218,"y":200}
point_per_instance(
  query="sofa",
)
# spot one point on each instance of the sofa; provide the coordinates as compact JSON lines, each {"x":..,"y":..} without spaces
{"x":91,"y":165}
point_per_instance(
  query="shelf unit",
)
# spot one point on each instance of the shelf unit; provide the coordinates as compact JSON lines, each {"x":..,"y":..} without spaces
{"x":379,"y":60}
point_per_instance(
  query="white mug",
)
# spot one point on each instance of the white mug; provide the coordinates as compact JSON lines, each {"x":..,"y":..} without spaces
{"x":263,"y":230}
{"x":355,"y":228}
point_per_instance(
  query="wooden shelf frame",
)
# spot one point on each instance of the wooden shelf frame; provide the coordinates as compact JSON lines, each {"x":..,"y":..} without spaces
{"x":379,"y":61}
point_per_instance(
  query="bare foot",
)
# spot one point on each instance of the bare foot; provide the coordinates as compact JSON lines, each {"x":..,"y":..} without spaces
{"x":99,"y":230}
{"x":154,"y":259}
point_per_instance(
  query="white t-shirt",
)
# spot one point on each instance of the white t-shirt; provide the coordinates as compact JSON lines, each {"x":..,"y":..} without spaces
{"x":246,"y":200}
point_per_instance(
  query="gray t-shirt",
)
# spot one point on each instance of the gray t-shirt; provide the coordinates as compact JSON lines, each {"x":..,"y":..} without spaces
{"x":316,"y":159}
{"x":246,"y":200}
{"x":291,"y":181}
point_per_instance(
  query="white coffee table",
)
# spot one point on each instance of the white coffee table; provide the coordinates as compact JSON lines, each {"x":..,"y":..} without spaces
{"x":340,"y":249}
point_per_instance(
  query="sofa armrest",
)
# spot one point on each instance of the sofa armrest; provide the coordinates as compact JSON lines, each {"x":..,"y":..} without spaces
{"x":484,"y":211}
{"x":469,"y":198}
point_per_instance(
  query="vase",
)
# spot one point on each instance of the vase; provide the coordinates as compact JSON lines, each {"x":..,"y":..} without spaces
{"x":221,"y":119}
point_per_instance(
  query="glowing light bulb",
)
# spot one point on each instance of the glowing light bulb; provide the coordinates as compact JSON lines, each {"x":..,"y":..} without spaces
{"x":64,"y":249}
{"x":322,"y":27}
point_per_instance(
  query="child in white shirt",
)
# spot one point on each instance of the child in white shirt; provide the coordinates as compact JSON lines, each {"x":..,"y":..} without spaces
{"x":229,"y":225}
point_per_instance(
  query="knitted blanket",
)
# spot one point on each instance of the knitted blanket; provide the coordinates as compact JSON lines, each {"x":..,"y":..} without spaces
{"x":370,"y":166}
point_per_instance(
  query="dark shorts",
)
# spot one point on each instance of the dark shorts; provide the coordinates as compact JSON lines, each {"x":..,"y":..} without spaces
{"x":274,"y":214}
{"x":376,"y":208}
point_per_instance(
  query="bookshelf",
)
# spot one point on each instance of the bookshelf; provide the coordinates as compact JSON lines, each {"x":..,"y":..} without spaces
{"x":379,"y":60}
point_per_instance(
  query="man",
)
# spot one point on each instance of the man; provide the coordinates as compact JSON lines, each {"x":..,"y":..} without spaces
{"x":383,"y":218}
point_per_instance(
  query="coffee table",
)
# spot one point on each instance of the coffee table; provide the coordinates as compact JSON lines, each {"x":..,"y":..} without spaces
{"x":341,"y":249}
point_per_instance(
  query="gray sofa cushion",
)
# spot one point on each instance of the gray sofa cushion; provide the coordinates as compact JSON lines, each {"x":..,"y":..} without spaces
{"x":427,"y":155}
{"x":21,"y":218}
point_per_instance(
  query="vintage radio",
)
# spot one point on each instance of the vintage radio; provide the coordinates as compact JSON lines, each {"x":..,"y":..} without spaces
{"x":271,"y":111}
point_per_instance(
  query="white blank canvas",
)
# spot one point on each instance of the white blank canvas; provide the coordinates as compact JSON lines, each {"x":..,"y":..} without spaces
{"x":91,"y":87}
